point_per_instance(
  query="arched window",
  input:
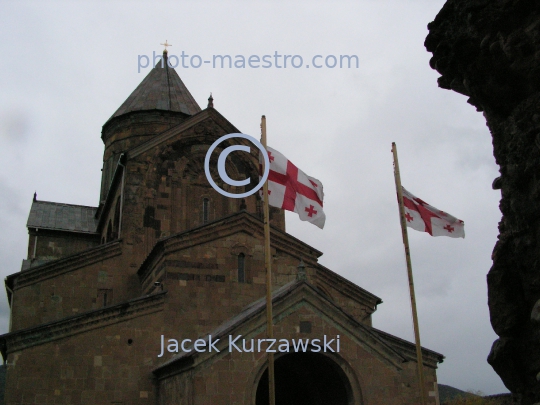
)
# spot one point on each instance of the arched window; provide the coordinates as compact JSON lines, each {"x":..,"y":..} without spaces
{"x":241,"y":268}
{"x":205,"y":205}
{"x":109,"y":232}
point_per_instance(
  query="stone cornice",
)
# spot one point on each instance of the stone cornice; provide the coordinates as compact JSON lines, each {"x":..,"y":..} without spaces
{"x":232,"y":224}
{"x":347,"y":288}
{"x":430,"y":358}
{"x":250,"y":224}
{"x":174,"y":131}
{"x":56,"y":232}
{"x":125,"y":119}
{"x":287,"y":300}
{"x":22,"y":339}
{"x":64,"y":265}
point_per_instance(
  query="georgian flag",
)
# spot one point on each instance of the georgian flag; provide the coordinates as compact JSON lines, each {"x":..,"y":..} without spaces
{"x":291,"y":189}
{"x":425,"y":218}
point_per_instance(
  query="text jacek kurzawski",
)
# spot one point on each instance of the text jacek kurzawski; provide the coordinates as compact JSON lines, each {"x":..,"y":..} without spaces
{"x":237,"y":344}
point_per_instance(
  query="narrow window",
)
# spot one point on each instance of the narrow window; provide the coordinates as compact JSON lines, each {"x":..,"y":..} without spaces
{"x":205,"y":210}
{"x":241,"y":268}
{"x":116,"y":223}
{"x":109,"y":232}
{"x":104,"y":297}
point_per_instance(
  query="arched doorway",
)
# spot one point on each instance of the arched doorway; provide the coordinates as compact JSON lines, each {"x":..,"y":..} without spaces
{"x":306,"y":379}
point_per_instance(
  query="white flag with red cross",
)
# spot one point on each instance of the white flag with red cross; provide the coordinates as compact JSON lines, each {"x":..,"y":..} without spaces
{"x":425,"y":218}
{"x":291,"y":189}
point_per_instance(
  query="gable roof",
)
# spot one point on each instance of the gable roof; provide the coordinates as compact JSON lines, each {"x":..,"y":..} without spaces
{"x":393,"y":349}
{"x":161,"y":89}
{"x":347,"y":287}
{"x":405,"y":347}
{"x":62,"y":217}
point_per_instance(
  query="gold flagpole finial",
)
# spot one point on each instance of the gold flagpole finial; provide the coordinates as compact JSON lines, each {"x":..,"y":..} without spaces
{"x":166,"y":45}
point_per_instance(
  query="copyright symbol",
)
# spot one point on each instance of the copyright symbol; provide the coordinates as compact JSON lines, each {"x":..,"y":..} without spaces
{"x":221,"y":165}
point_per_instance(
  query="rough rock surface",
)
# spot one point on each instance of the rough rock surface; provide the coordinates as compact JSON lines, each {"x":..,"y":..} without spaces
{"x":489,"y":50}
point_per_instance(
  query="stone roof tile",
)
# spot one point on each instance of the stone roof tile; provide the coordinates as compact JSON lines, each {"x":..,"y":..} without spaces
{"x":161,"y":89}
{"x":62,"y":217}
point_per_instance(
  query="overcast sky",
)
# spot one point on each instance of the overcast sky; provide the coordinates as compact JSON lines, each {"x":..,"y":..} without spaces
{"x":65,"y":67}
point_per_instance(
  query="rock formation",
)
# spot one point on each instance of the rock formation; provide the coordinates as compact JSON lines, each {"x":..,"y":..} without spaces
{"x":489,"y":50}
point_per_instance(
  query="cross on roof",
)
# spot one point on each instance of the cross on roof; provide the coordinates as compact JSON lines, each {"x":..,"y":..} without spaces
{"x":166,"y":45}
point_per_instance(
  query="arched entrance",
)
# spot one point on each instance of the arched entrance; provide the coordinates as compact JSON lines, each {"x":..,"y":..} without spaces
{"x":306,"y":379}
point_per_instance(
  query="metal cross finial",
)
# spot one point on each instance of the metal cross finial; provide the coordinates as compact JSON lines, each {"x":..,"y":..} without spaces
{"x":166,"y":45}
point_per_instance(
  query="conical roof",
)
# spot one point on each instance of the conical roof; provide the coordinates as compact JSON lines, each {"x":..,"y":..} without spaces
{"x":161,"y":89}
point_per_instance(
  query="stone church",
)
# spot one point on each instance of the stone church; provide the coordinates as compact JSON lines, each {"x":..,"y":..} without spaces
{"x":106,"y":291}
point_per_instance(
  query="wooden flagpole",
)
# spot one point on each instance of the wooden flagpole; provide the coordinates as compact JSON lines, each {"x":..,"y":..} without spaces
{"x":268,"y":265}
{"x":403,"y":222}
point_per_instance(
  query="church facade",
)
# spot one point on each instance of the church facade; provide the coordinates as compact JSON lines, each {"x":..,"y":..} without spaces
{"x":137,"y":300}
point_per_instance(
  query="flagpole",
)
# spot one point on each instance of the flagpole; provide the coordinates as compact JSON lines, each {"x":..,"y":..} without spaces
{"x":403,"y":222}
{"x":268,"y":265}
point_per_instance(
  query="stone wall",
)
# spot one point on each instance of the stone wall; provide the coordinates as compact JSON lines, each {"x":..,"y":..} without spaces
{"x":70,"y":286}
{"x":200,"y":273}
{"x":110,"y":363}
{"x":166,"y":187}
{"x":233,"y":378}
{"x":45,"y":245}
